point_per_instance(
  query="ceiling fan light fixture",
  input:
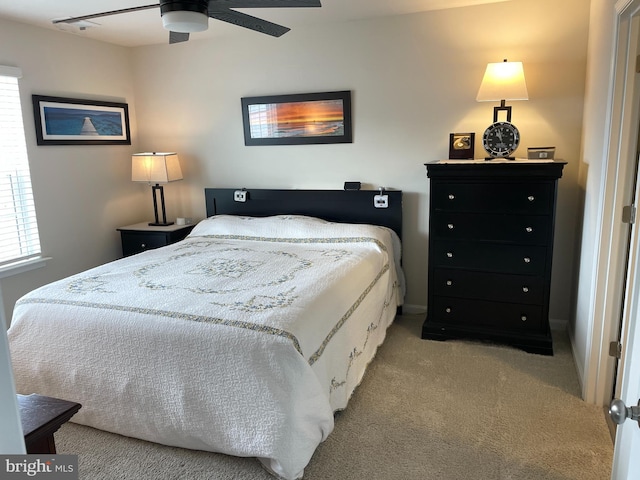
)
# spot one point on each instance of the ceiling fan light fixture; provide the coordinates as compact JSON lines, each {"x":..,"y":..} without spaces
{"x":185,"y":22}
{"x":182,"y":17}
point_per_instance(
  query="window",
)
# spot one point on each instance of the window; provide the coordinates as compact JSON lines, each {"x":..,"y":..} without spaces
{"x":19,"y":239}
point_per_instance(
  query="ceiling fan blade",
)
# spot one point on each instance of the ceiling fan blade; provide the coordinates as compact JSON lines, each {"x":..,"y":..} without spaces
{"x":177,"y":37}
{"x":247,"y":21}
{"x":263,"y":3}
{"x":104,"y":14}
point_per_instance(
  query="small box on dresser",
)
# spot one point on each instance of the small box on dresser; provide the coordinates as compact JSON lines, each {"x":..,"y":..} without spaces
{"x":491,"y":227}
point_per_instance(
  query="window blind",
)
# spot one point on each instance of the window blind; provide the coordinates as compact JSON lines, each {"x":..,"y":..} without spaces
{"x":19,"y":239}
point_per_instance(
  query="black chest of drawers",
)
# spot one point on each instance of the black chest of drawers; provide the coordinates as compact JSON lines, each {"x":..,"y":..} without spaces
{"x":491,"y":228}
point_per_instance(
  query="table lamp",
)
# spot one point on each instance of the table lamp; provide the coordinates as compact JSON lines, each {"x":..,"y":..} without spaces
{"x":154,"y":167}
{"x":502,"y":81}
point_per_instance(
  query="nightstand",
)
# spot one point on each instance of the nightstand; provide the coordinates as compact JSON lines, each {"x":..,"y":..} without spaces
{"x":41,"y":417}
{"x":142,"y":236}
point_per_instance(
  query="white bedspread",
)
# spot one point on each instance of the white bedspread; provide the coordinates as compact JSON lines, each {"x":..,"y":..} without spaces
{"x":243,"y":338}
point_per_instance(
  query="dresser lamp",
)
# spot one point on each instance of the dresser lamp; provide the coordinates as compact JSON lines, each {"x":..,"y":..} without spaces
{"x":153,"y":167}
{"x":502,"y":81}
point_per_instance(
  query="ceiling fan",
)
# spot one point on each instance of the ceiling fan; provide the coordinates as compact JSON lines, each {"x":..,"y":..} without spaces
{"x":182,"y":17}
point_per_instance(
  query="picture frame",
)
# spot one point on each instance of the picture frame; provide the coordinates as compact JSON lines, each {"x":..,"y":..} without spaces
{"x":461,"y":146}
{"x":73,"y":121}
{"x":297,"y":119}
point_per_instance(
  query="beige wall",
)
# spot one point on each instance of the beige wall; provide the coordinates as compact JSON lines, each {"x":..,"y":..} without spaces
{"x":414,"y":80}
{"x":82,"y":193}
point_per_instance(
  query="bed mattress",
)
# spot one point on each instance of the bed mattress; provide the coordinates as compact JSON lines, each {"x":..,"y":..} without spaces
{"x":243,"y":339}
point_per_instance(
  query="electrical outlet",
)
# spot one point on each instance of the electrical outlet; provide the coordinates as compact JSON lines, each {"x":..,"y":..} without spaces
{"x":240,"y":195}
{"x":381,"y":201}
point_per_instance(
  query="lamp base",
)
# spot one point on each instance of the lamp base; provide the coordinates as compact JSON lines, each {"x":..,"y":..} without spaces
{"x":158,"y":223}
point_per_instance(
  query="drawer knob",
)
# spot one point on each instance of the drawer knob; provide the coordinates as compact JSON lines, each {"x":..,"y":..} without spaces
{"x":449,"y":283}
{"x":452,"y":196}
{"x":523,"y":318}
{"x":527,"y":260}
{"x":450,"y":226}
{"x":529,"y":229}
{"x":525,"y":289}
{"x":448,"y":309}
{"x":450,"y":254}
{"x":531,"y":198}
{"x":143,"y":245}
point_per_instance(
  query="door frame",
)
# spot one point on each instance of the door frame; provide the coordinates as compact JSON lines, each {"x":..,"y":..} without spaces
{"x":618,"y":179}
{"x":625,"y":459}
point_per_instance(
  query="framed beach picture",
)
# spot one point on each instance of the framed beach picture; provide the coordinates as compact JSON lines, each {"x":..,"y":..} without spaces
{"x":71,"y":121}
{"x":299,"y":119}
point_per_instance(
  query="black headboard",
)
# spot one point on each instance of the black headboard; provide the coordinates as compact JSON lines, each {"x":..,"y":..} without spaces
{"x":345,"y":206}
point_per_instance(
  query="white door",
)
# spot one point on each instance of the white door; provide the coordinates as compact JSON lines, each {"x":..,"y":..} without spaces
{"x":626,"y":457}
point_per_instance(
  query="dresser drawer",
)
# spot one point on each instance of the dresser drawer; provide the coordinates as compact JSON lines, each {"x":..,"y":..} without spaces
{"x":531,"y":198}
{"x":485,"y":314}
{"x":488,"y":286}
{"x":516,"y":259}
{"x":521,"y":229}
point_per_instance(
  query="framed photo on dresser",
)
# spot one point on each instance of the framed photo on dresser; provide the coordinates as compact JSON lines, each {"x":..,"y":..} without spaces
{"x":461,"y":146}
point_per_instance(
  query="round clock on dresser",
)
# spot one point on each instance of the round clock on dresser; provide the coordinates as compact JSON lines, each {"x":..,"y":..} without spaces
{"x":500,"y":140}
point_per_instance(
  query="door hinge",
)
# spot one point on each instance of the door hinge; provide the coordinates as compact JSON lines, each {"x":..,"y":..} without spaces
{"x":615,"y":350}
{"x":638,"y":64}
{"x":629,"y":214}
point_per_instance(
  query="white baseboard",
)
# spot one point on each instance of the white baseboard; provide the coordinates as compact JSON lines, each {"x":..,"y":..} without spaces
{"x":557,"y":324}
{"x":578,"y":364}
{"x":414,"y":309}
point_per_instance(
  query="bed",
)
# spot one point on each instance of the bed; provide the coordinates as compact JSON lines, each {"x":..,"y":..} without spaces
{"x":244,"y":338}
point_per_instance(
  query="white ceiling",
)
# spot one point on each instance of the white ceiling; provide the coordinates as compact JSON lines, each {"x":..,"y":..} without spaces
{"x":145,"y":27}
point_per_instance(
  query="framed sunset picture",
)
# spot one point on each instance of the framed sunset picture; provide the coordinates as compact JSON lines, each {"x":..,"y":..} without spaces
{"x":299,"y":119}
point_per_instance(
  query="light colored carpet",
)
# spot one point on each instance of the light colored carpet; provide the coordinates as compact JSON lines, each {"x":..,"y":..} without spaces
{"x":425,"y":410}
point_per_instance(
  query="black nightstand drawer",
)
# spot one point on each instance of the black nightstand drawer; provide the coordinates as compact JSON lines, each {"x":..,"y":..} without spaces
{"x":531,"y":197}
{"x":483,"y":227}
{"x":484,"y":314}
{"x":489,"y":257}
{"x":140,"y":237}
{"x":133,"y":243}
{"x":488,"y":286}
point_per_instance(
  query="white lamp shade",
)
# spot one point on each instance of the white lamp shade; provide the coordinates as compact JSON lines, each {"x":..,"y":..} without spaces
{"x":503,"y":81}
{"x":155,"y":167}
{"x":184,"y":21}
